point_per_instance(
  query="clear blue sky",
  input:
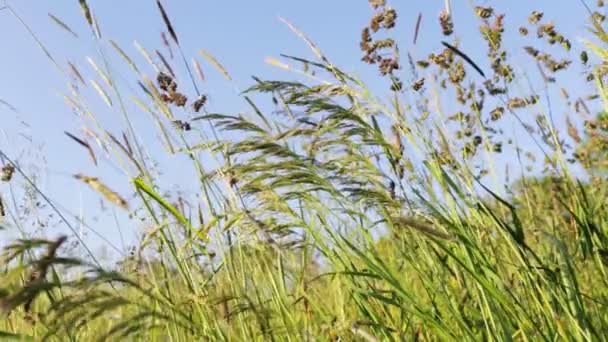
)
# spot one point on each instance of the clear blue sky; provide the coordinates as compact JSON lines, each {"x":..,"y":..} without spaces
{"x":239,"y":33}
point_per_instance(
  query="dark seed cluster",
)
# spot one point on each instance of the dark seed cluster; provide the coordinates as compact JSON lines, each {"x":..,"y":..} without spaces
{"x":183,"y":125}
{"x":484,"y":12}
{"x":452,"y":65}
{"x":171,"y":95}
{"x":418,"y":84}
{"x":547,"y":60}
{"x":199,"y":103}
{"x":446,"y":23}
{"x":375,"y":50}
{"x":518,"y":102}
{"x":7,"y":173}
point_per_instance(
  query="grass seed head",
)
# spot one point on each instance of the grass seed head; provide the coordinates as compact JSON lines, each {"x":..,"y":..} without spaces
{"x":484,"y":12}
{"x":446,"y":23}
{"x":377,"y":3}
{"x":523,"y":31}
{"x":535,"y":17}
{"x":104,"y":190}
{"x":7,"y":172}
{"x":166,"y":82}
{"x":199,"y":103}
{"x":418,"y":84}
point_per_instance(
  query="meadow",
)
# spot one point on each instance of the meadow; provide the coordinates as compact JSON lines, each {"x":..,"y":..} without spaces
{"x":456,"y":202}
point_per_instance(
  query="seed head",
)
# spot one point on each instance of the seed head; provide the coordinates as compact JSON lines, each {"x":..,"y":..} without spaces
{"x":446,"y":23}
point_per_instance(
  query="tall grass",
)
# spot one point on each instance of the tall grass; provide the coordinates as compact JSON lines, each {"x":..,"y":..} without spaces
{"x":335,"y":213}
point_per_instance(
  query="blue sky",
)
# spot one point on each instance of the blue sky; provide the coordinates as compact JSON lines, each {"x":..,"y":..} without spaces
{"x":241,"y":34}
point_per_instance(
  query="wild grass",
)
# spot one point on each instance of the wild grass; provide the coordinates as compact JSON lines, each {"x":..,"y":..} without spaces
{"x":337,"y":213}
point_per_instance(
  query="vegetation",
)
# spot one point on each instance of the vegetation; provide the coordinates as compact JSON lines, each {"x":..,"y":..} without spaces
{"x":333,"y":213}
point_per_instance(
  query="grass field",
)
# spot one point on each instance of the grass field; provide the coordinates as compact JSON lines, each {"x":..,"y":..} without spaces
{"x":331,"y":211}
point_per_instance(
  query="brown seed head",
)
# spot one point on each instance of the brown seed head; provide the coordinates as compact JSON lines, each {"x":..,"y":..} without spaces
{"x":446,"y":23}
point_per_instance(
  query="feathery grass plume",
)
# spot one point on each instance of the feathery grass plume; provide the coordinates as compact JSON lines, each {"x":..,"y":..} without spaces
{"x":106,"y":98}
{"x":275,"y":62}
{"x":124,"y":56}
{"x":77,"y":73}
{"x":301,"y":204}
{"x":62,"y":25}
{"x":83,"y":144}
{"x":167,"y":22}
{"x":147,"y":56}
{"x":102,"y":73}
{"x":105,"y":191}
{"x":86,"y":12}
{"x":417,"y":27}
{"x":306,"y":66}
{"x":209,"y":57}
{"x":74,"y":105}
{"x":308,"y":41}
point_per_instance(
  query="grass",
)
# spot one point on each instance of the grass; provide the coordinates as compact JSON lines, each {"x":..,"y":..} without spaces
{"x":339,"y":215}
